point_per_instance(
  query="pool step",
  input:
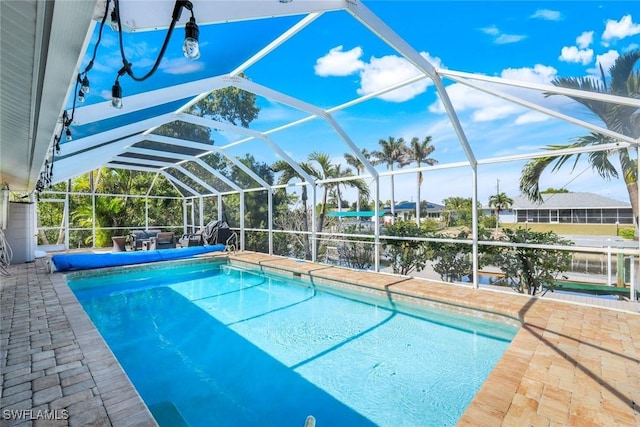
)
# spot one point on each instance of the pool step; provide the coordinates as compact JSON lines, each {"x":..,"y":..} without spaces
{"x":166,"y":414}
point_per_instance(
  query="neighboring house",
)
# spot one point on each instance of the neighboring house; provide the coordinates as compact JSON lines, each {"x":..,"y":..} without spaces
{"x":575,"y":208}
{"x":407,"y":210}
{"x":362,"y":220}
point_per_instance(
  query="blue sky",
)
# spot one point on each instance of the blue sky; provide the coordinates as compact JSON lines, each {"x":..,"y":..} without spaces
{"x":336,"y":59}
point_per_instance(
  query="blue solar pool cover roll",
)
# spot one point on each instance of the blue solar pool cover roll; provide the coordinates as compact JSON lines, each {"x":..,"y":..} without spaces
{"x":67,"y":262}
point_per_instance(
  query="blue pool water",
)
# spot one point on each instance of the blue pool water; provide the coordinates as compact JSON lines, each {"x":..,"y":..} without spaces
{"x":214,"y":345}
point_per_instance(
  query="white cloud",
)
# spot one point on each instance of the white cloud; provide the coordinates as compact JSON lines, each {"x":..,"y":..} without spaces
{"x":548,"y":15}
{"x":531,"y":117}
{"x":500,"y":37}
{"x":585,"y":39}
{"x":509,"y":38}
{"x":632,"y":46}
{"x":105,"y":94}
{"x":492,"y":30}
{"x":605,"y":61}
{"x":573,"y":54}
{"x":380,"y":73}
{"x":339,"y":63}
{"x":181,"y":65}
{"x":483,"y":107}
{"x":376,"y":74}
{"x":625,"y":27}
{"x":538,"y":74}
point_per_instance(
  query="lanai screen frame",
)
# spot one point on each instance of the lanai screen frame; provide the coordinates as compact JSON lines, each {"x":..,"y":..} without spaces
{"x":75,"y":158}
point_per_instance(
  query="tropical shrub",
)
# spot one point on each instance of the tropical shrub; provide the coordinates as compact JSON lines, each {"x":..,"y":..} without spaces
{"x":531,"y":269}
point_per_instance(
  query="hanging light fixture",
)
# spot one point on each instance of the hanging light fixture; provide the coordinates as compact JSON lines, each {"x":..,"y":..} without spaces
{"x":68,"y":133}
{"x":115,"y":26}
{"x":191,"y":48}
{"x":116,"y":95}
{"x":80,"y":96}
{"x":85,"y":88}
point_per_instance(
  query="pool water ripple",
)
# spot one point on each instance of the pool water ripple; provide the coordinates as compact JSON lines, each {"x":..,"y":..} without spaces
{"x":237,"y":347}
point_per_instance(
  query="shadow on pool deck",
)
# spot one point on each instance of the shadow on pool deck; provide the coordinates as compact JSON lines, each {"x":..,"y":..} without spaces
{"x":570,"y":364}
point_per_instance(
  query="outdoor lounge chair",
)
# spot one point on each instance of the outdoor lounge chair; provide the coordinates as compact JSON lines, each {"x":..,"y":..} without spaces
{"x":163,"y":240}
{"x":192,"y":239}
{"x":140,"y":237}
{"x":214,"y":232}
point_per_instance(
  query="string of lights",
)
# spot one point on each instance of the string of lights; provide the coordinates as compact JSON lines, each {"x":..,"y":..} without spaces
{"x":190,"y":48}
{"x":82,"y":80}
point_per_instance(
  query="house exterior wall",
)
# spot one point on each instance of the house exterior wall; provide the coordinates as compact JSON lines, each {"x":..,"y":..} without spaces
{"x":576,"y":216}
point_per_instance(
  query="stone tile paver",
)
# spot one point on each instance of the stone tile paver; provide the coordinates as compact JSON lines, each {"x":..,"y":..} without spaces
{"x":569,"y":364}
{"x":51,"y":355}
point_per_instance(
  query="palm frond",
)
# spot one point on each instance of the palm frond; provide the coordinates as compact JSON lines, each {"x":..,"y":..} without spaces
{"x":530,"y":178}
{"x":620,"y":71}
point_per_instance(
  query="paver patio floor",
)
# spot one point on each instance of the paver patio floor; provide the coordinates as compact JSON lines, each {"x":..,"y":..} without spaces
{"x":568,"y":364}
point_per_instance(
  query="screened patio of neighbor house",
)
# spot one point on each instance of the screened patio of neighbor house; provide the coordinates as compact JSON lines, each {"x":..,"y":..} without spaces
{"x":231,"y":155}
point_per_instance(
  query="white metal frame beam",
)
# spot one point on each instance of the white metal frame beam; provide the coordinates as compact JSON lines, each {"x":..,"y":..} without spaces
{"x":244,"y":131}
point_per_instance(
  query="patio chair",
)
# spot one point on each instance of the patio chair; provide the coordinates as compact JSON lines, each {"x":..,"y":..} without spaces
{"x":139,"y":237}
{"x":213,"y":233}
{"x":163,"y":240}
{"x":216,"y":232}
{"x":192,"y":239}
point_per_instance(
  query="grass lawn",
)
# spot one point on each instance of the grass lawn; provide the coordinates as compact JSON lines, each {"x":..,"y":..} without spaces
{"x":570,"y":229}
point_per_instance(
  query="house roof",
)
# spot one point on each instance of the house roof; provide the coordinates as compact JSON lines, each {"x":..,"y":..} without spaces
{"x":354,"y":214}
{"x":577,"y":200}
{"x":408,"y":206}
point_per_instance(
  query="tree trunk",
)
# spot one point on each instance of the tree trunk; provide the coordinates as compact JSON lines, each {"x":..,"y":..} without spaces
{"x":305,"y":220}
{"x":41,"y":234}
{"x":322,"y":214}
{"x":358,"y":199}
{"x":61,"y":232}
{"x":418,"y":197}
{"x":632,"y":189}
{"x":393,"y":199}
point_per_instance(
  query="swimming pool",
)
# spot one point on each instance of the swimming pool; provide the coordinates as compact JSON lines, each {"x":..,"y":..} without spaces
{"x":213,"y":344}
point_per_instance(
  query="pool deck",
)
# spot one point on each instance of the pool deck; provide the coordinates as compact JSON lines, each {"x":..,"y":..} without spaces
{"x":56,"y":368}
{"x":569,"y":364}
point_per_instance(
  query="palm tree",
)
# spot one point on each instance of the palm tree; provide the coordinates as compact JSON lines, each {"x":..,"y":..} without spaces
{"x":419,"y":152}
{"x":287,"y":174}
{"x":394,"y":151}
{"x":359,"y":166}
{"x":454,"y":207}
{"x":498,"y":202}
{"x":358,"y":184}
{"x":620,"y":118}
{"x":320,"y":167}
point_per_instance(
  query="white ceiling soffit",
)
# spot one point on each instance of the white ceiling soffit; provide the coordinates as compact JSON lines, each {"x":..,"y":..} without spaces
{"x":151,"y":15}
{"x":40,"y":53}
